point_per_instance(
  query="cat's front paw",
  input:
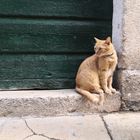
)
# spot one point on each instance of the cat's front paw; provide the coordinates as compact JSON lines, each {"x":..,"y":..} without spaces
{"x":113,"y":90}
{"x":108,"y":91}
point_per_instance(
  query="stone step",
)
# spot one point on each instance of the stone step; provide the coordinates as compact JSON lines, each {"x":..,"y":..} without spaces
{"x":51,"y":103}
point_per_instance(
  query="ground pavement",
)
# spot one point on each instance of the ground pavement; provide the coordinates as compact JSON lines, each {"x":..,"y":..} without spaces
{"x":115,"y":126}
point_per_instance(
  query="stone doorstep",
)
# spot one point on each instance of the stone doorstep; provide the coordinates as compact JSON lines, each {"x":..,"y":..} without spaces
{"x":51,"y":103}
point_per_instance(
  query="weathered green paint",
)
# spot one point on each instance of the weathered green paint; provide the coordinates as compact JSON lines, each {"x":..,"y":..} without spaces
{"x":42,"y":43}
{"x":99,"y":9}
{"x":37,"y":84}
{"x":50,"y":36}
{"x":39,"y":66}
{"x":38,"y":71}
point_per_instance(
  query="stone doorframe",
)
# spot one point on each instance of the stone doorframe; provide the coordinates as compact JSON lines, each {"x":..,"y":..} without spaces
{"x":126,"y":38}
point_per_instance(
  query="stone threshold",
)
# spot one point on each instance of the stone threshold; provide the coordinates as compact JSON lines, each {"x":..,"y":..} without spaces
{"x":52,"y":103}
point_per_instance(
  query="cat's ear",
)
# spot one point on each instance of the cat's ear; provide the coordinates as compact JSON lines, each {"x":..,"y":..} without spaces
{"x":108,"y":40}
{"x":96,"y":39}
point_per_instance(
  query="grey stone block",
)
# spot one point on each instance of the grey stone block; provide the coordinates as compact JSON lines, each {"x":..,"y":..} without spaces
{"x":51,"y":103}
{"x":130,"y":88}
{"x":123,"y":126}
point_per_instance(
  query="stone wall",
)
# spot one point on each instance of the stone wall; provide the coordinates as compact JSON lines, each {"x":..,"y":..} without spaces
{"x":126,"y":38}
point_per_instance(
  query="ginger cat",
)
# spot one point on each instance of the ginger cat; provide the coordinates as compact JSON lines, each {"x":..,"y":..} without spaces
{"x":95,"y":73}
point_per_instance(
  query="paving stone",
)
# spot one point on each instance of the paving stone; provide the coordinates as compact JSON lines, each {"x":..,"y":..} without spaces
{"x":116,"y":126}
{"x":89,"y":127}
{"x":13,"y":129}
{"x":35,"y":137}
{"x":124,"y":126}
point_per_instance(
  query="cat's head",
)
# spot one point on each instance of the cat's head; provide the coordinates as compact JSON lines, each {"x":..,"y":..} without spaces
{"x":103,"y":47}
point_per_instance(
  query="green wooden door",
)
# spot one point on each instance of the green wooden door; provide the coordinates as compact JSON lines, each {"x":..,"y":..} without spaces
{"x":43,"y":42}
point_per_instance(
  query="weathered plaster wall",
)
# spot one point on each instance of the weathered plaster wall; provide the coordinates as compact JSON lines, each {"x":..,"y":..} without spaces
{"x":126,"y":38}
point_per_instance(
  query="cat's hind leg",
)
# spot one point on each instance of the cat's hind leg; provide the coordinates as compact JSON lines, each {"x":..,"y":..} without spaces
{"x":101,"y":93}
{"x":93,"y":98}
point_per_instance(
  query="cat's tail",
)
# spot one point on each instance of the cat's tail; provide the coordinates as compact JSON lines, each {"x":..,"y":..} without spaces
{"x":92,"y":97}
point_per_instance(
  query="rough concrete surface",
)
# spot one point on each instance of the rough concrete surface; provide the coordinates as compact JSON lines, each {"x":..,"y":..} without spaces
{"x":130,"y":89}
{"x":130,"y":84}
{"x":125,"y":126}
{"x":51,"y":103}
